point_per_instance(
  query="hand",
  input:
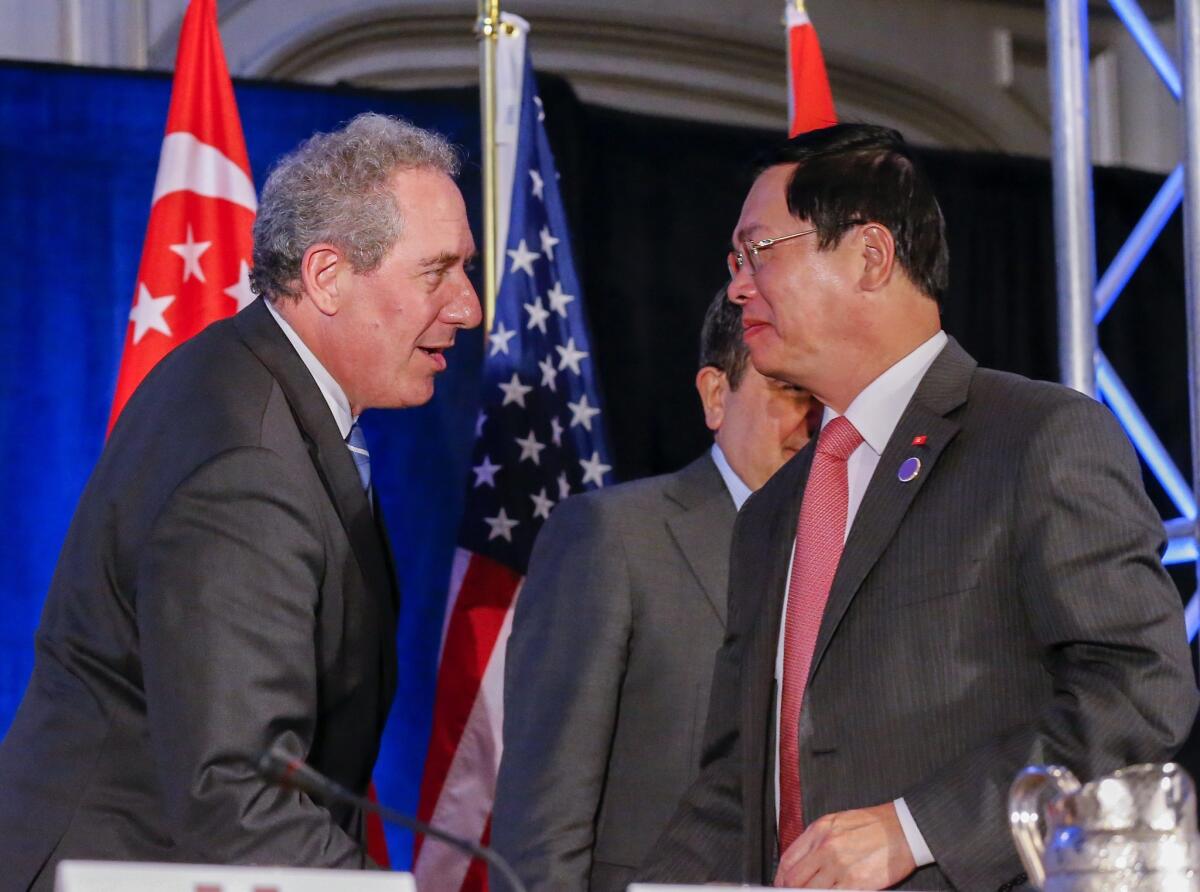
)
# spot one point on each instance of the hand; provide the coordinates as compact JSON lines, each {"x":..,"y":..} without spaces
{"x":860,"y":849}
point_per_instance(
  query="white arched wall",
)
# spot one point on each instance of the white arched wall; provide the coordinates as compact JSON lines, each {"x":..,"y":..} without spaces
{"x":957,"y":73}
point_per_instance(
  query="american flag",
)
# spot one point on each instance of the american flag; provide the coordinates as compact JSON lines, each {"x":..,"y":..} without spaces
{"x":539,"y":437}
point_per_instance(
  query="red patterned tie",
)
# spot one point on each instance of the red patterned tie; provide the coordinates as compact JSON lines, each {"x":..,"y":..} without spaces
{"x":820,"y":535}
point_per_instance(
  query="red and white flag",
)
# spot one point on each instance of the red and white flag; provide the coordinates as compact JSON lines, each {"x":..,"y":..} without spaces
{"x":810,"y":103}
{"x":195,"y":265}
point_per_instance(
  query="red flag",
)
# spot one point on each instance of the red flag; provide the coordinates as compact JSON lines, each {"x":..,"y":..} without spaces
{"x":195,"y":265}
{"x":810,"y":104}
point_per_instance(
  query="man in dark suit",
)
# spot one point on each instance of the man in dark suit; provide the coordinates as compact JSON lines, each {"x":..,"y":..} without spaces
{"x":975,"y":583}
{"x":225,"y":583}
{"x":609,"y":663}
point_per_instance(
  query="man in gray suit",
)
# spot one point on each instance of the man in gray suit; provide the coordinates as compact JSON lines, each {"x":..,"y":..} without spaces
{"x":225,"y":583}
{"x":975,"y":583}
{"x":610,"y":658}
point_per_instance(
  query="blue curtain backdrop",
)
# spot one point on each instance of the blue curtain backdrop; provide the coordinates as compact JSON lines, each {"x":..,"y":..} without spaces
{"x":78,"y":154}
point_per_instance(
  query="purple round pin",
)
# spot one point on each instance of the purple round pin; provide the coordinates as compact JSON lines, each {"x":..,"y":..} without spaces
{"x":909,"y":470}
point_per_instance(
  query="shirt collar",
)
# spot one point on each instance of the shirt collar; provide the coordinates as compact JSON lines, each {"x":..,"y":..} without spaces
{"x":339,"y":405}
{"x":738,"y":490}
{"x":876,"y":411}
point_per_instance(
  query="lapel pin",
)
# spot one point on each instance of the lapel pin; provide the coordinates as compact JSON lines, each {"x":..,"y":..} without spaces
{"x":909,"y":469}
{"x":920,"y":440}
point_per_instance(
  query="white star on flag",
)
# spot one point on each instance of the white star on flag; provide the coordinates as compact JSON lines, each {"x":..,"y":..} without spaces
{"x":548,"y":242}
{"x":559,"y":300}
{"x":569,"y":356}
{"x":549,"y":373}
{"x":556,"y":431}
{"x":240,"y":290}
{"x":147,"y":313}
{"x":538,"y":315}
{"x":501,"y":526}
{"x":594,"y":469}
{"x":514,"y":391}
{"x":531,"y":449}
{"x":522,"y":258}
{"x":564,"y":485}
{"x":486,"y":473}
{"x":538,"y":184}
{"x":498,"y":339}
{"x":582,"y":413}
{"x":537,"y":100}
{"x":479,"y":422}
{"x":542,"y":504}
{"x":191,"y":251}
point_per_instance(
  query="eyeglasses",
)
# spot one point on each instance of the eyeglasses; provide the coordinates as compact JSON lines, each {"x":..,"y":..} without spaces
{"x":736,"y":260}
{"x":750,"y":251}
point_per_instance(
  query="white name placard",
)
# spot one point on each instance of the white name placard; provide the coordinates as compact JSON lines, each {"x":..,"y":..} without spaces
{"x":654,"y":887}
{"x":116,"y":876}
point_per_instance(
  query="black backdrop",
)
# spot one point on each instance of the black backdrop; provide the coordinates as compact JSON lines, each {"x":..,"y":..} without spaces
{"x":652,"y":202}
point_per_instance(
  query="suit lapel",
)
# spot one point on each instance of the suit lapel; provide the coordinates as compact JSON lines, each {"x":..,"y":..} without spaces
{"x":330,"y":456}
{"x":707,"y":511}
{"x":887,"y":499}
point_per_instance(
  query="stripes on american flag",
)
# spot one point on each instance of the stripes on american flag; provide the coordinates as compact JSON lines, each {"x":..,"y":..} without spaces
{"x":539,"y":438}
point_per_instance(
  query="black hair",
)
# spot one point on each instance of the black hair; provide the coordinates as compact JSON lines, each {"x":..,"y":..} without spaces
{"x":721,"y":344}
{"x":858,"y":173}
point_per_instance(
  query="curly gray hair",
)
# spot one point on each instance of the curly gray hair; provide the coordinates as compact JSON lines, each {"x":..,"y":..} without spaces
{"x":334,"y":188}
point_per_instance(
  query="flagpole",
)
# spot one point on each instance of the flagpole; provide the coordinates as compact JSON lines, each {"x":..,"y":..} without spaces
{"x":488,"y":31}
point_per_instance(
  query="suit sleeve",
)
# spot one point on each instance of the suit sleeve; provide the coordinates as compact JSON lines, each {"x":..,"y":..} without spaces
{"x":227,"y":594}
{"x":703,"y":841}
{"x":562,"y":681}
{"x":1108,"y":623}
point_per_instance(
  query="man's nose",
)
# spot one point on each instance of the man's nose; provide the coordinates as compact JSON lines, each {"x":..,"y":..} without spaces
{"x":464,"y":310}
{"x":741,"y":286}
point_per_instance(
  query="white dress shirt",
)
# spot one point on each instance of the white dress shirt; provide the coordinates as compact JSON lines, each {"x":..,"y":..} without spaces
{"x":874,"y":413}
{"x":738,"y":490}
{"x":339,"y":405}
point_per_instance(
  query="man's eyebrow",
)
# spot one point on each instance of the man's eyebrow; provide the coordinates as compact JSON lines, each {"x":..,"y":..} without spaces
{"x":744,"y":234}
{"x":440,"y":261}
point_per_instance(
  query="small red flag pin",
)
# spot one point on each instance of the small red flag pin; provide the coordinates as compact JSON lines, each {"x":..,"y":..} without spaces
{"x":919,"y":440}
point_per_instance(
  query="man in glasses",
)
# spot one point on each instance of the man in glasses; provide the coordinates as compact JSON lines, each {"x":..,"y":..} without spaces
{"x":610,"y":659}
{"x":960,"y":577}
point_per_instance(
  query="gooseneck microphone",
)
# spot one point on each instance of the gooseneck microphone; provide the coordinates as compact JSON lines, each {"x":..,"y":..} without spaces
{"x":280,"y":767}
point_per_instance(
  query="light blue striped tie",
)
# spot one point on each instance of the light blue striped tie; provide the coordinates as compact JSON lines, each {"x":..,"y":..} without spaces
{"x":357,"y":444}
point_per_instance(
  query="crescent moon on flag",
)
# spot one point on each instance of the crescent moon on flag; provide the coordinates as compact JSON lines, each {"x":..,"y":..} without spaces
{"x":188,"y":165}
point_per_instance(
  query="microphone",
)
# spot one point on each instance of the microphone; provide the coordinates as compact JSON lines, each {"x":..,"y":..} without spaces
{"x":280,"y":767}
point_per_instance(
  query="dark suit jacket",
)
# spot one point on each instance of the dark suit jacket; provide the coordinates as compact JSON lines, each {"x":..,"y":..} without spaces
{"x":223,"y":583}
{"x":1006,"y":607}
{"x":607,"y":676}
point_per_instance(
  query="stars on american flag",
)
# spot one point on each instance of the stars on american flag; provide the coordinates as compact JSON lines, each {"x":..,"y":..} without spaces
{"x":522,"y":259}
{"x":569,"y":357}
{"x":541,"y":434}
{"x":515,"y":391}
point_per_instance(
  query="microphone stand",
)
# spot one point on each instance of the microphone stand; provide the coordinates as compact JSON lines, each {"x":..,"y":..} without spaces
{"x":280,"y":767}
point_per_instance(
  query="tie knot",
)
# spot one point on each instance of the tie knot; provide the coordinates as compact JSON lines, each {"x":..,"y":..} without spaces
{"x":839,"y":438}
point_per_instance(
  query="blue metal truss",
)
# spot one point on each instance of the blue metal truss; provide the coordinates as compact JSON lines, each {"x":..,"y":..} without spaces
{"x":1181,"y":547}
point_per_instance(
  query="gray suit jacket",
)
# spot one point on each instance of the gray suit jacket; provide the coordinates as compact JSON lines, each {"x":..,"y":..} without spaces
{"x":607,"y":676}
{"x":223,"y":583}
{"x":1005,"y":607}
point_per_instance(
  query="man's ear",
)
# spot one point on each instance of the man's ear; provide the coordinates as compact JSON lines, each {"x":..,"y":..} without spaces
{"x":319,"y":270}
{"x":713,"y":387}
{"x":879,"y":256}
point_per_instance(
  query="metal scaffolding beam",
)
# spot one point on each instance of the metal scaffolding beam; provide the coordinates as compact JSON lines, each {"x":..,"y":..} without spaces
{"x":1082,"y":305}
